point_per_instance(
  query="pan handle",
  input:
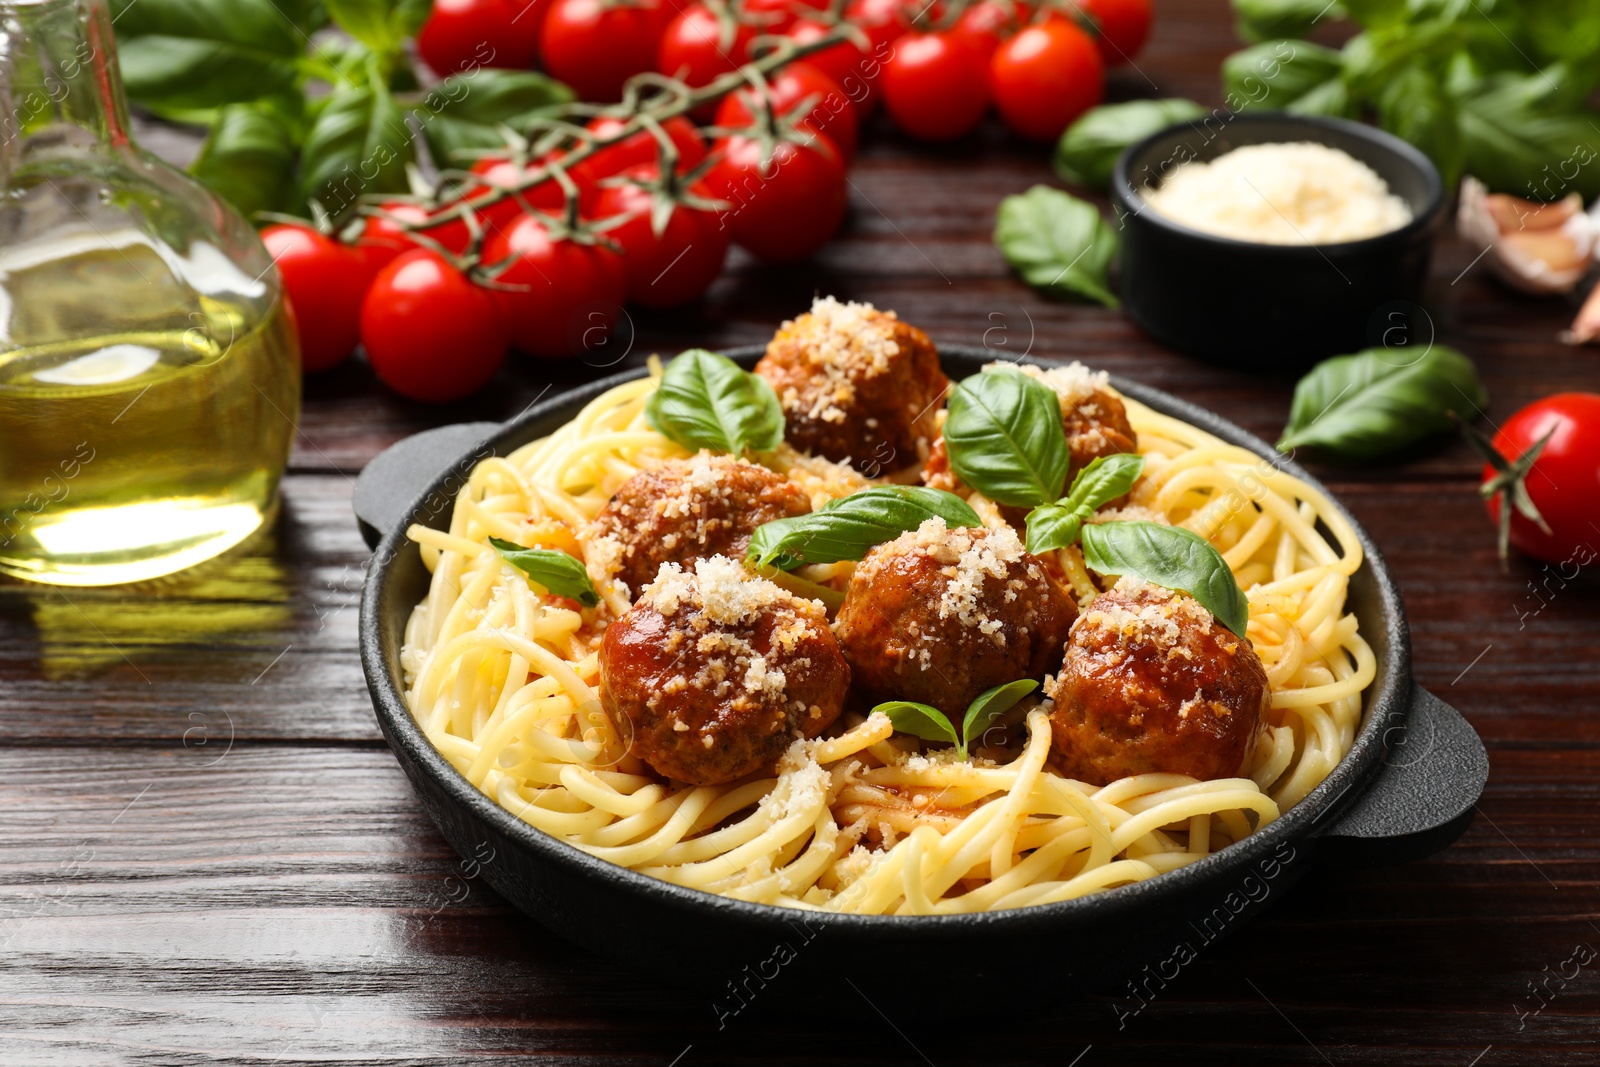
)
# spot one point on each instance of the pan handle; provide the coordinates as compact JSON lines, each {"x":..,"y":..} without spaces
{"x":1424,"y":795}
{"x":388,"y":485}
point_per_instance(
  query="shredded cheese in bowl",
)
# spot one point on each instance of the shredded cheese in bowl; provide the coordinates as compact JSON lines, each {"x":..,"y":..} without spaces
{"x":1287,"y":194}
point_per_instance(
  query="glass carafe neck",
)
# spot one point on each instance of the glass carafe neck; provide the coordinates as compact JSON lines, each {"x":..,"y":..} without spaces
{"x":59,"y":80}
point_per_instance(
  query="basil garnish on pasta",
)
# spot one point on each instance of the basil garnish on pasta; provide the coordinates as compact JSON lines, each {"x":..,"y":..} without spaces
{"x":1004,"y":435}
{"x":1172,"y":557}
{"x":558,"y":572}
{"x":850,"y":527}
{"x":1053,"y":526}
{"x":706,"y":400}
{"x":931,"y":724}
{"x":1361,"y":406}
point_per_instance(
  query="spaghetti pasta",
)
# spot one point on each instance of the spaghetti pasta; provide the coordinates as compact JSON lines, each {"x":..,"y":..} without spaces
{"x":502,"y":680}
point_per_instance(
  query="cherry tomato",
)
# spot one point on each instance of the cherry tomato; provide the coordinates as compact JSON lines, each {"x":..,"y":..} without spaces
{"x":673,"y":267}
{"x":1563,"y":481}
{"x":786,"y":206}
{"x":596,"y":45}
{"x":777,"y":16}
{"x":382,"y":238}
{"x":465,"y":34}
{"x":640,"y":148}
{"x":1045,"y":77}
{"x":834,"y":115}
{"x":565,"y":296}
{"x":324,"y":282}
{"x":987,"y":23}
{"x":503,"y":173}
{"x":854,"y":68}
{"x":1124,"y":26}
{"x":698,"y":45}
{"x":430,"y":333}
{"x":936,"y":85}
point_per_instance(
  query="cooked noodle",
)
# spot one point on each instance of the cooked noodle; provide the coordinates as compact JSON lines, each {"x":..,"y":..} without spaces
{"x":504,"y":683}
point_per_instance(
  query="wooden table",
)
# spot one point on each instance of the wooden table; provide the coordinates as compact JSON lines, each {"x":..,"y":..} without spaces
{"x":207,"y":852}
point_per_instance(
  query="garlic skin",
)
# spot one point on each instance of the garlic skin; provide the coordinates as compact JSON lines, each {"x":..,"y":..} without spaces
{"x":1586,"y":327}
{"x":1533,"y":247}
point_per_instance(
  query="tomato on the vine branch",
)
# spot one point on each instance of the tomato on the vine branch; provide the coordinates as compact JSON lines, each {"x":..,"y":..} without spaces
{"x":429,"y":332}
{"x":559,"y":288}
{"x":463,"y":35}
{"x":791,"y":86}
{"x":1045,"y":77}
{"x":1123,"y":27}
{"x":324,"y":282}
{"x":673,"y":242}
{"x":936,"y":85}
{"x":701,"y":42}
{"x":596,"y":45}
{"x":785,"y":188}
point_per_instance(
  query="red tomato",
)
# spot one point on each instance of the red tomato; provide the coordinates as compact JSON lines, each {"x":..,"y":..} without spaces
{"x":431,"y":334}
{"x":854,"y":68}
{"x":324,"y":282}
{"x":596,"y":45}
{"x":1124,"y":26}
{"x":834,"y":116}
{"x":382,"y":239}
{"x":673,"y":267}
{"x":1045,"y":77}
{"x":567,"y":295}
{"x":640,"y":148}
{"x":502,"y":173}
{"x":776,"y":16}
{"x":698,"y":45}
{"x":466,"y":34}
{"x":987,"y":23}
{"x":1563,"y":481}
{"x":936,"y":85}
{"x":784,"y":207}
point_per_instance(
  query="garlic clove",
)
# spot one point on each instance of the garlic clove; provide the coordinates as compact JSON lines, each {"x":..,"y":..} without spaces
{"x":1513,"y":213}
{"x":1586,"y":327}
{"x":1558,"y":250}
{"x":1535,"y":248}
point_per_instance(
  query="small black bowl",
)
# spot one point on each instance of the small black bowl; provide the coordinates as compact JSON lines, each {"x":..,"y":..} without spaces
{"x":1407,"y":787}
{"x":1264,"y":306}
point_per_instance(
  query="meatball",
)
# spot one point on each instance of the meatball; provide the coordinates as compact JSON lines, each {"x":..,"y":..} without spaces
{"x":857,"y":385}
{"x":714,"y":673}
{"x":1094,"y":418}
{"x":939,"y":615}
{"x":1153,"y":682}
{"x":687,"y":510}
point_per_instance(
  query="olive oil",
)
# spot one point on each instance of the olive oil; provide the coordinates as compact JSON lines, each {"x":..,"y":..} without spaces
{"x":132,"y":454}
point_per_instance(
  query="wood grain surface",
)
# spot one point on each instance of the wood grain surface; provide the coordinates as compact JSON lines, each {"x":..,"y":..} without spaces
{"x":208,"y":855}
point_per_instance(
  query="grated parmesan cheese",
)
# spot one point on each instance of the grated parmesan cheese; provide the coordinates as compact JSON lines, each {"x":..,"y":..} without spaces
{"x":1283,"y":194}
{"x":844,"y":343}
{"x":1073,"y":383}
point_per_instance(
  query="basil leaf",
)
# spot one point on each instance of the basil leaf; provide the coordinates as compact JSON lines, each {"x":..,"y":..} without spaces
{"x":177,"y":76}
{"x":1058,"y":244}
{"x":558,"y":572}
{"x":464,"y":112}
{"x":706,"y":401}
{"x":992,"y":703}
{"x":381,"y":25}
{"x":919,"y":720}
{"x":1266,"y":20}
{"x":1172,"y":557}
{"x":1363,"y":405}
{"x":1090,"y":146}
{"x":248,"y":158}
{"x":359,"y":144}
{"x":1295,"y":76}
{"x":848,"y":528}
{"x":1415,"y":107}
{"x":1058,"y":525}
{"x":1004,"y":435}
{"x":1516,"y":140}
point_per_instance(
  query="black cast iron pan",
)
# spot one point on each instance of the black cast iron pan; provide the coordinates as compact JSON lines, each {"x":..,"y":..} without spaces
{"x":1407,"y":788}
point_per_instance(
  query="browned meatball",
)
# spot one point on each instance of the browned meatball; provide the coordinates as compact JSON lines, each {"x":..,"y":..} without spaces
{"x":686,"y":510}
{"x":939,"y":615}
{"x":857,"y":385}
{"x":1094,"y":418}
{"x":1153,"y":682}
{"x":714,"y":673}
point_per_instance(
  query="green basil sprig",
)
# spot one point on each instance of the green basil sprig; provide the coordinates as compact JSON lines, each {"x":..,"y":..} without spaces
{"x":1265,"y":20}
{"x":1003,"y":432}
{"x":849,"y":528}
{"x":1172,"y":557}
{"x":1058,"y":243}
{"x":558,"y":572}
{"x":931,"y":724}
{"x":1363,"y":405}
{"x":1053,"y":526}
{"x":1089,"y":148}
{"x":706,"y":400}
